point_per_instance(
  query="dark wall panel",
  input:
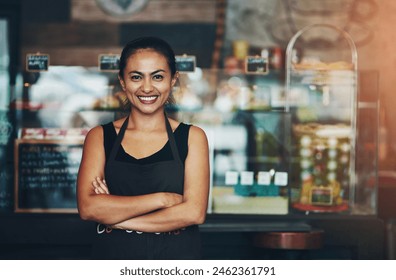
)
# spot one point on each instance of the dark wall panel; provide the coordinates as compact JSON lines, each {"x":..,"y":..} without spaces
{"x":46,"y":10}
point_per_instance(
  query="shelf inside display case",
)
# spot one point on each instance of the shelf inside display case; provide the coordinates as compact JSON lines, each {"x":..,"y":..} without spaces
{"x":227,"y":201}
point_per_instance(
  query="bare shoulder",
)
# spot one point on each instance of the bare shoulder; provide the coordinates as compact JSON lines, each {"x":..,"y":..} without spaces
{"x":95,"y":131}
{"x":94,"y":136}
{"x":197,"y":135}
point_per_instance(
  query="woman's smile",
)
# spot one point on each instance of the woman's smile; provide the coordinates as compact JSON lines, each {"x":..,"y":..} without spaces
{"x":148,"y":99}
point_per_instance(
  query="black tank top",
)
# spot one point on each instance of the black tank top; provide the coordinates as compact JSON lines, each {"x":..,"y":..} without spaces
{"x":181,"y":138}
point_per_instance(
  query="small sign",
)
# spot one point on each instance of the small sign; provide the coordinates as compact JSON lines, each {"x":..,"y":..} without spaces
{"x":109,"y":62}
{"x":256,"y":65}
{"x":231,"y":178}
{"x":264,"y":178}
{"x":280,"y":179}
{"x":321,"y":196}
{"x":247,"y":178}
{"x":37,"y":62}
{"x":185,"y":63}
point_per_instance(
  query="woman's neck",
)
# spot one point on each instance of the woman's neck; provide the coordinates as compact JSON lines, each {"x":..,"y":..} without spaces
{"x":144,"y":122}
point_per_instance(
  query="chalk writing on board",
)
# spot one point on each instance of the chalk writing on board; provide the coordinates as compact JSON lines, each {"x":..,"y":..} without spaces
{"x":109,"y":62}
{"x":185,"y":63}
{"x":46,"y":175}
{"x":256,"y":65}
{"x":37,"y":62}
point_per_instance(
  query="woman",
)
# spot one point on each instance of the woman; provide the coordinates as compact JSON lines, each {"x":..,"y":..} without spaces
{"x":145,"y":178}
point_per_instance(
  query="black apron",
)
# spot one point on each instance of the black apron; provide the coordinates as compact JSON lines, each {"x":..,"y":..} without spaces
{"x":130,"y":179}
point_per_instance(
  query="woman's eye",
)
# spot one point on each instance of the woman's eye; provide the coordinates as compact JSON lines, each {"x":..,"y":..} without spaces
{"x":135,"y":77}
{"x":158,"y":77}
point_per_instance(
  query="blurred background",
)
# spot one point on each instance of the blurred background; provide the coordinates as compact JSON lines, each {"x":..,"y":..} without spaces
{"x":252,"y":120}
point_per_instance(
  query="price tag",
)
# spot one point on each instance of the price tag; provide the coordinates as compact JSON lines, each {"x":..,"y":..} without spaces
{"x":109,"y":62}
{"x":280,"y":179}
{"x":185,"y":63}
{"x":37,"y":62}
{"x":247,"y":178}
{"x":264,"y":178}
{"x":321,"y":196}
{"x":256,"y":65}
{"x":231,"y":178}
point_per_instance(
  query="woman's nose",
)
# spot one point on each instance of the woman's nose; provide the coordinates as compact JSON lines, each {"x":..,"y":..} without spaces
{"x":147,"y":86}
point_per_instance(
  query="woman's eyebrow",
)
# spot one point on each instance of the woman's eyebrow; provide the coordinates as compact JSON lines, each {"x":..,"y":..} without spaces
{"x":156,"y":72}
{"x":141,"y":73}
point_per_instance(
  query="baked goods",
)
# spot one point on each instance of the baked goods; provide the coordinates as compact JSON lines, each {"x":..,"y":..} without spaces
{"x":115,"y":101}
{"x":319,"y":65}
{"x":324,"y":160}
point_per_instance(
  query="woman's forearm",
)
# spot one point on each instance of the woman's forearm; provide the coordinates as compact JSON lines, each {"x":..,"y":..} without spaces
{"x":111,"y":209}
{"x":172,"y":218}
{"x":103,"y":207}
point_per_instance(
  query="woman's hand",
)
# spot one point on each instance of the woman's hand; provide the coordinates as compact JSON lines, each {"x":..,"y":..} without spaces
{"x":169,"y":199}
{"x":100,"y":187}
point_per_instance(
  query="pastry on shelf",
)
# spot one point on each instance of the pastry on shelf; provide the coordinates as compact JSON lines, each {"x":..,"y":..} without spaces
{"x":115,"y":101}
{"x":319,"y":65}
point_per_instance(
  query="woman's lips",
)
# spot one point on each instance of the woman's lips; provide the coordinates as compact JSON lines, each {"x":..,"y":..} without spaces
{"x":148,"y":99}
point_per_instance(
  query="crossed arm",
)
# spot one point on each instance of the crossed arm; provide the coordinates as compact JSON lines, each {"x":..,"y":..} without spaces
{"x":157,"y":212}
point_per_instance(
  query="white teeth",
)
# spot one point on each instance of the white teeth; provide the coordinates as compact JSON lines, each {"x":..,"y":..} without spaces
{"x":147,"y":98}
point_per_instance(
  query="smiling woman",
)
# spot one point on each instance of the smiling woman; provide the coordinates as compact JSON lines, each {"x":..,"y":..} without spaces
{"x":145,"y":178}
{"x":147,"y":80}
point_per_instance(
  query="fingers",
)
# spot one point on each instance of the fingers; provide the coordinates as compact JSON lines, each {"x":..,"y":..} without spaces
{"x":100,"y":186}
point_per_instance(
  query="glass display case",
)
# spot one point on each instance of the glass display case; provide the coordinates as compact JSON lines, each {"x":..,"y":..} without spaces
{"x":265,"y":138}
{"x":249,"y":135}
{"x":322,"y":92}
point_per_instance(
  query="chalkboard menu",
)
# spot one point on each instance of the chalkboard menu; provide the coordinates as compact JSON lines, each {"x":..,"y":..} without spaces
{"x":256,"y":65}
{"x":185,"y":63}
{"x":37,"y":62}
{"x":46,"y":175}
{"x":109,"y":62}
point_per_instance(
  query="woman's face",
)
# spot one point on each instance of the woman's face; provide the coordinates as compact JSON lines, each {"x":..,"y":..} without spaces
{"x":147,"y":81}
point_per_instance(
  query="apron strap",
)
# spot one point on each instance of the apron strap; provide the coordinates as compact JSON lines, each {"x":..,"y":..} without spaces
{"x":172,"y":141}
{"x":117,"y":142}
